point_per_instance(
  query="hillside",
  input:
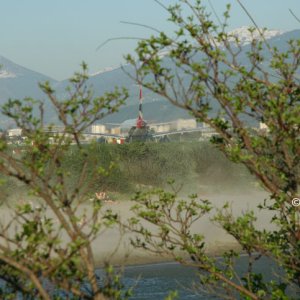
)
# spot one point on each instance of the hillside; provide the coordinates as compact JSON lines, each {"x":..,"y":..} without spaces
{"x":19,"y":82}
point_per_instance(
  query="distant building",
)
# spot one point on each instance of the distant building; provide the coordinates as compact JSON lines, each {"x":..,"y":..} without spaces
{"x":98,"y":128}
{"x":177,"y":125}
{"x":181,"y":124}
{"x":15,"y":132}
{"x":205,"y":125}
{"x":162,"y":127}
{"x":54,"y":128}
{"x":116,"y":130}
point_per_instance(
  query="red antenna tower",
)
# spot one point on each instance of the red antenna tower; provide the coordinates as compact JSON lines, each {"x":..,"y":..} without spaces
{"x":140,"y":120}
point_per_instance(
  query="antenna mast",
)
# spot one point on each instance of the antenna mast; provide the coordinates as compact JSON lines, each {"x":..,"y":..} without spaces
{"x":140,"y":123}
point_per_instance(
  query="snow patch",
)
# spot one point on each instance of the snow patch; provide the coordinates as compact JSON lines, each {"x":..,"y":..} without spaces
{"x":7,"y":74}
{"x":107,"y":69}
{"x":243,"y":34}
{"x":246,"y":37}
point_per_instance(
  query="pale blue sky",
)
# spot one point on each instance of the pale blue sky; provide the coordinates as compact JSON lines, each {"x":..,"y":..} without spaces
{"x":53,"y":37}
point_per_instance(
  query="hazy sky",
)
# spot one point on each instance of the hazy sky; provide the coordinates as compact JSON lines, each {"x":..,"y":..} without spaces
{"x":53,"y":37}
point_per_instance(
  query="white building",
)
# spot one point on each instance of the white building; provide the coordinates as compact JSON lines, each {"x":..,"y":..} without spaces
{"x":14,"y":132}
{"x":181,"y":124}
{"x":177,"y":125}
{"x":98,"y":128}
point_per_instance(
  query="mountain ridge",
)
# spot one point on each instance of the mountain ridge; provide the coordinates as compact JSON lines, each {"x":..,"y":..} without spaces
{"x":19,"y":82}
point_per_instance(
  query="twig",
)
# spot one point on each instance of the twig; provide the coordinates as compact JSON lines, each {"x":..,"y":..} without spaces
{"x":118,"y":38}
{"x":292,"y":13}
{"x":141,"y":25}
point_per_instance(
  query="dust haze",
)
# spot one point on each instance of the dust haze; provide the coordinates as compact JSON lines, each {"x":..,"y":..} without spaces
{"x":212,"y":177}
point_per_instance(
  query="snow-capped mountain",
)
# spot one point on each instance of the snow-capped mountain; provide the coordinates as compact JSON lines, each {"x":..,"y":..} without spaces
{"x":9,"y":69}
{"x":245,"y":36}
{"x":19,"y":82}
{"x":107,"y":69}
